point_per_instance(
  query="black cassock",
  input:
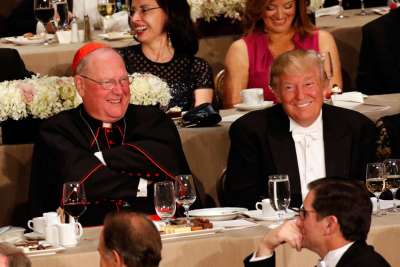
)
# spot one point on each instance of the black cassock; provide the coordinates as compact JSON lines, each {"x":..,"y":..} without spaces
{"x":144,"y":144}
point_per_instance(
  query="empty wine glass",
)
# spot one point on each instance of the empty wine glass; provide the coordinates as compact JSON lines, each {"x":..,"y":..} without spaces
{"x":392,"y":174}
{"x":279,"y":194}
{"x":375,"y":183}
{"x":74,"y":199}
{"x":340,"y":14}
{"x":164,"y":200}
{"x":44,"y":12}
{"x":363,"y":12}
{"x":185,"y":192}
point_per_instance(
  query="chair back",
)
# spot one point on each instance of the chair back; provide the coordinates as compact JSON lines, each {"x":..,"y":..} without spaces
{"x":219,"y":86}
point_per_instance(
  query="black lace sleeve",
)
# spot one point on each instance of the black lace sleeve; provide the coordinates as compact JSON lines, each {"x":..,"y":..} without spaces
{"x":383,"y":150}
{"x":202,"y":74}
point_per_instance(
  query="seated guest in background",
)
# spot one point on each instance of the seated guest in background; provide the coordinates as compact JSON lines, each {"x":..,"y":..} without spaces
{"x":115,"y":149}
{"x":167,"y":47}
{"x":352,"y":4}
{"x":129,"y":240}
{"x":301,"y":136}
{"x":10,"y":256}
{"x":13,"y":67}
{"x":272,"y":27}
{"x":379,"y":62}
{"x":389,"y":137}
{"x":334,"y":223}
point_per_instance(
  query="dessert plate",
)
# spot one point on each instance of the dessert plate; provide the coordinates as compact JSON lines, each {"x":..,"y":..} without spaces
{"x":113,"y":36}
{"x":257,"y":215}
{"x":34,"y":40}
{"x":203,"y":232}
{"x":217,"y":214}
{"x":246,"y":107}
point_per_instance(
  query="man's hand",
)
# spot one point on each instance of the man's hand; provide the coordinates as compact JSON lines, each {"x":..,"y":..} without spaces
{"x":288,"y":232}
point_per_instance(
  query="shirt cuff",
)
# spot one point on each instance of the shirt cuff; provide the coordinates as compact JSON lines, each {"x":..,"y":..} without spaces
{"x":254,"y":258}
{"x":142,"y":188}
{"x":99,"y":156}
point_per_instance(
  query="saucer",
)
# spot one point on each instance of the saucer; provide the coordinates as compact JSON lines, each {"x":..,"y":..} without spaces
{"x":257,"y":215}
{"x":34,"y":236}
{"x":247,"y":107}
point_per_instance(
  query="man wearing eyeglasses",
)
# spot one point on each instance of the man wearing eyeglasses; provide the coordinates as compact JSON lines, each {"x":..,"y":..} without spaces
{"x":334,"y":223}
{"x":116,"y":150}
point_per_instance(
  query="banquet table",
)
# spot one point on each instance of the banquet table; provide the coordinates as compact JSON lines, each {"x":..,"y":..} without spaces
{"x":226,"y":248}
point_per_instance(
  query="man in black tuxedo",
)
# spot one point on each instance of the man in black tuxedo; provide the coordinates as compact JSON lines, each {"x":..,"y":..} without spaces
{"x":334,"y":223}
{"x":379,"y":62}
{"x":301,"y":136}
{"x":117,"y":150}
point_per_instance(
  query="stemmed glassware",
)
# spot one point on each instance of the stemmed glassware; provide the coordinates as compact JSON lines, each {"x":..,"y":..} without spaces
{"x":44,"y":12}
{"x":363,"y":12}
{"x":392,"y":174}
{"x":74,"y":199}
{"x":106,"y":8}
{"x":375,"y":182}
{"x":340,"y":14}
{"x":185,"y":192}
{"x":164,"y":200}
{"x":279,"y":194}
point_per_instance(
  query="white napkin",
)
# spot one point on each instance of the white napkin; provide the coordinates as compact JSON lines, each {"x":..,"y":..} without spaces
{"x":231,"y":118}
{"x":118,"y":22}
{"x":328,"y":11}
{"x":381,"y":10}
{"x":385,"y":204}
{"x":355,"y":98}
{"x":233,"y":224}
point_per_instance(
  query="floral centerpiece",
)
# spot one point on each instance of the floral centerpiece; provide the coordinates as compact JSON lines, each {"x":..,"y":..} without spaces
{"x":212,"y":9}
{"x":315,"y":4}
{"x":148,"y":89}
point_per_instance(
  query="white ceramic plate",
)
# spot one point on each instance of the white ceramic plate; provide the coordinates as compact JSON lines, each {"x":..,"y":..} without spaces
{"x":21,"y":40}
{"x":257,"y":215}
{"x":44,"y":252}
{"x":265,"y":104}
{"x":34,"y":236}
{"x":113,"y":36}
{"x":217,"y":214}
{"x":192,"y":233}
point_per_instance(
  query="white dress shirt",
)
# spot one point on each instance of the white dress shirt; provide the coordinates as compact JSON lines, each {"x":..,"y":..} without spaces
{"x":333,"y":256}
{"x":310,"y":152}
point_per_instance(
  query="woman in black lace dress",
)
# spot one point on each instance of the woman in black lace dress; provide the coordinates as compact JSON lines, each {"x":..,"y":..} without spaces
{"x":168,"y":43}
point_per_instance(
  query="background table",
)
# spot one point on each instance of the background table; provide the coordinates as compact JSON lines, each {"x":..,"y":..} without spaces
{"x":206,"y":150}
{"x":227,"y":248}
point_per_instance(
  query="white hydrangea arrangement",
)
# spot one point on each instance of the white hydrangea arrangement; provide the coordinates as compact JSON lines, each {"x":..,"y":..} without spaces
{"x":211,"y":9}
{"x":315,"y":4}
{"x":148,"y":89}
{"x":39,"y":97}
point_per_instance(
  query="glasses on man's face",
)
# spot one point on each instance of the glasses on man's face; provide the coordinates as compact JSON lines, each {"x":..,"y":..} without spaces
{"x":303,"y":212}
{"x":142,"y":11}
{"x":112,"y":83}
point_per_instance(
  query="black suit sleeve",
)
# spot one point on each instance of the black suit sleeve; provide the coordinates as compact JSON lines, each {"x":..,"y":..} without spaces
{"x":243,"y":185}
{"x":269,"y":262}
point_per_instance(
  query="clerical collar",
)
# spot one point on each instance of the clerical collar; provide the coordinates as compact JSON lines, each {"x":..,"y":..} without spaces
{"x":332,"y":258}
{"x":315,"y":126}
{"x":95,"y":123}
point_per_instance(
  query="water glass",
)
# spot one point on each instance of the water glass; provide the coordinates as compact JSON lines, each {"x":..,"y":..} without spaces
{"x":164,"y":200}
{"x":375,"y":182}
{"x":279,"y":193}
{"x":392,"y":174}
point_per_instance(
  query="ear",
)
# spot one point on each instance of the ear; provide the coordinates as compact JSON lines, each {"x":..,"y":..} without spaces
{"x":331,"y":225}
{"x":79,"y":85}
{"x":276,"y":93}
{"x":117,"y":259}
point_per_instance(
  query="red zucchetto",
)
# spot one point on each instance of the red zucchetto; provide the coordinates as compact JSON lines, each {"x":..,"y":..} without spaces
{"x":83,"y":52}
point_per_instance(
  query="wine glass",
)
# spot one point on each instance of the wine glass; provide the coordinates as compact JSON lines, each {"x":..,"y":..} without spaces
{"x":279,"y":194}
{"x":62,"y":11}
{"x":340,"y":14}
{"x":44,"y":12}
{"x":106,"y":8}
{"x":392,"y":174}
{"x":363,"y":12}
{"x":185,"y":192}
{"x":164,"y":200}
{"x":74,"y":199}
{"x":375,"y":182}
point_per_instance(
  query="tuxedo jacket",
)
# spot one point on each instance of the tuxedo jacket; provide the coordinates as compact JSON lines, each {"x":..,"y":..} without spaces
{"x":144,"y":144}
{"x":358,"y":255}
{"x":379,"y":62}
{"x":261,"y":145}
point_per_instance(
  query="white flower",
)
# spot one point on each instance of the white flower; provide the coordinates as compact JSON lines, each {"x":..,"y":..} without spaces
{"x":315,"y":4}
{"x":148,"y":89}
{"x":40,"y":97}
{"x":211,"y":9}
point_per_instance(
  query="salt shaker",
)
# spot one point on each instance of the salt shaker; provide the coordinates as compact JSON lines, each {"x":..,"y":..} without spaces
{"x":74,"y":31}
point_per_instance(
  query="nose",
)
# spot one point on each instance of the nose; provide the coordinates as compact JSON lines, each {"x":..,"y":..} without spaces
{"x":279,"y":13}
{"x":118,"y":88}
{"x":299,"y":93}
{"x":135,"y":15}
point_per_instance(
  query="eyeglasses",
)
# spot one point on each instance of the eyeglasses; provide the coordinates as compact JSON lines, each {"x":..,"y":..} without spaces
{"x":303,"y":212}
{"x":142,"y":10}
{"x":110,"y":84}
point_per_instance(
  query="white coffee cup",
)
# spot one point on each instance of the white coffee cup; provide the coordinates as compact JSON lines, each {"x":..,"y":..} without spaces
{"x":64,"y":234}
{"x":252,"y":96}
{"x":51,"y":218}
{"x":265,"y":207}
{"x":37,"y":224}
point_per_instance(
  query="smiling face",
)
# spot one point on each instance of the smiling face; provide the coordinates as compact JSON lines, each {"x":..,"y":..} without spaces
{"x":278,"y":15}
{"x":104,"y":105}
{"x":148,"y":21}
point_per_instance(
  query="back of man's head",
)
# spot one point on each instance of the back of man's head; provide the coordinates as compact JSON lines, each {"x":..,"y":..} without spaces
{"x":348,"y":201}
{"x":134,"y":237}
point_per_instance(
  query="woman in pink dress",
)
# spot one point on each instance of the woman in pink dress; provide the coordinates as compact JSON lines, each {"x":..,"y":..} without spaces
{"x":272,"y":27}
